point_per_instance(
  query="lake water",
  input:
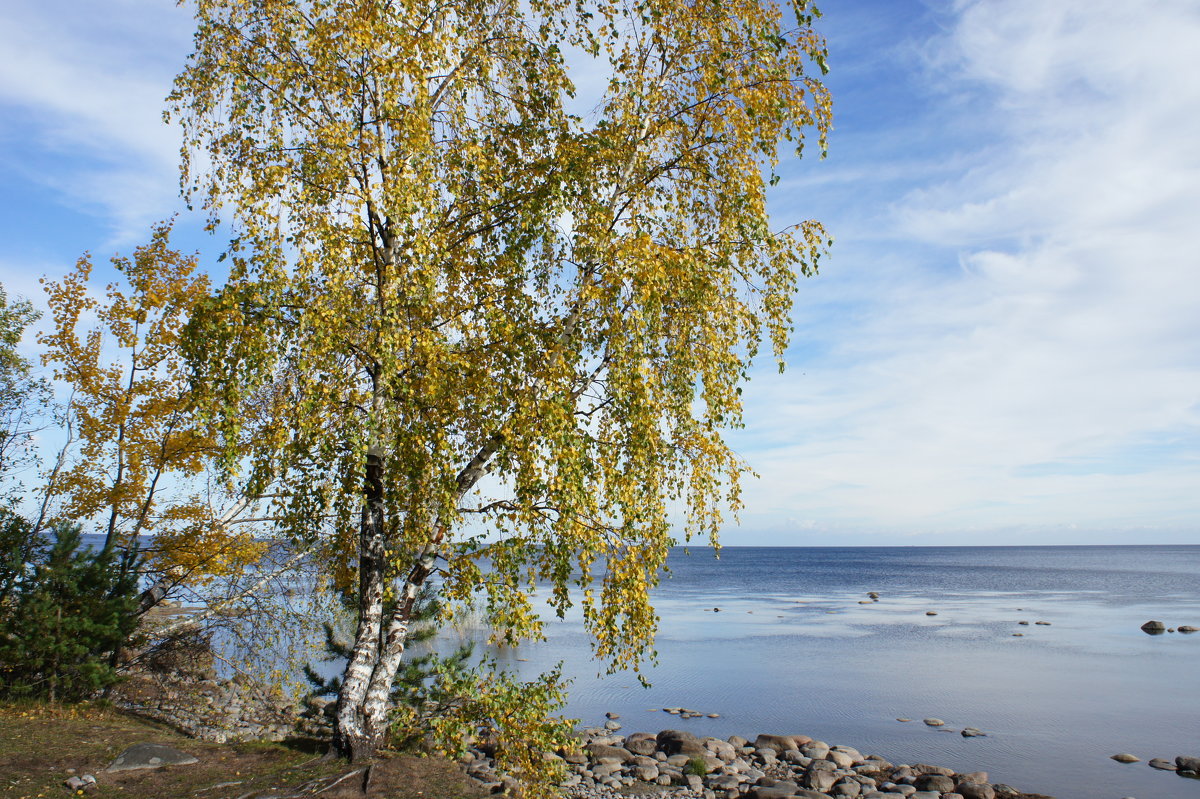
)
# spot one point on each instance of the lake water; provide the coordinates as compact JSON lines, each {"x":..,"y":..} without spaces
{"x":793,"y":651}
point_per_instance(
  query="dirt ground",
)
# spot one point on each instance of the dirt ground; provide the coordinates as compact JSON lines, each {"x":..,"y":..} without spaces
{"x":41,"y":746}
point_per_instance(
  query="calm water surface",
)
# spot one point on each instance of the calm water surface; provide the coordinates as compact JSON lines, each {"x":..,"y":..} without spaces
{"x":792,"y":651}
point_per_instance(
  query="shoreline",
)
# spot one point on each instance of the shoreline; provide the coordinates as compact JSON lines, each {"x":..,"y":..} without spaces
{"x":677,"y":763}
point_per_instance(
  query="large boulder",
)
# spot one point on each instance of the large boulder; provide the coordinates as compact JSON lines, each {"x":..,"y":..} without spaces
{"x":642,"y":743}
{"x":1186,"y":763}
{"x":1154,"y":627}
{"x":841,"y":759}
{"x":933,"y":782}
{"x":780,"y":743}
{"x":679,"y":742}
{"x":815,"y":749}
{"x":819,"y":779}
{"x":600,"y":753}
{"x":147,"y":755}
{"x":976,"y":790}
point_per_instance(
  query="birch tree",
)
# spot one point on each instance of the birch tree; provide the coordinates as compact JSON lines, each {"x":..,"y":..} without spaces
{"x":137,"y":443}
{"x":482,"y":327}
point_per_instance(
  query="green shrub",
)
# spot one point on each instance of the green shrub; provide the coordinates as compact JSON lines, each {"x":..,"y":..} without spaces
{"x":68,"y":612}
{"x":696,"y":766}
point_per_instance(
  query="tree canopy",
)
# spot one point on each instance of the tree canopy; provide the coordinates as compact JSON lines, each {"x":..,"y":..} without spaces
{"x":439,"y":272}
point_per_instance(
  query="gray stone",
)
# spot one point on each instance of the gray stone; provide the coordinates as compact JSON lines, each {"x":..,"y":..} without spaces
{"x":721,"y":749}
{"x":975,"y":790}
{"x":971,"y":732}
{"x":818,"y":779}
{"x":641,"y":743}
{"x":146,"y":755}
{"x":973,"y":776}
{"x":817,"y":750}
{"x":678,"y":742}
{"x":646,"y":773}
{"x":612,"y":725}
{"x":840,"y":759}
{"x":1187,"y":628}
{"x":1154,"y":627}
{"x":602,"y":770}
{"x":849,"y":788}
{"x":935,"y":723}
{"x":600,"y":752}
{"x":934,"y":782}
{"x":779,"y":743}
{"x":766,"y":755}
{"x":1125,"y":757}
{"x":1187,"y":763}
{"x":1161,"y":764}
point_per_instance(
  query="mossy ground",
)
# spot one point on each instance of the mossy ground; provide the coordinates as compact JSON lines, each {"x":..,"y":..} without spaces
{"x":41,"y":744}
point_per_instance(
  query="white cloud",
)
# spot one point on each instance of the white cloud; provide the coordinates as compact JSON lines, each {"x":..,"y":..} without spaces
{"x":83,"y":87}
{"x":1037,"y":363}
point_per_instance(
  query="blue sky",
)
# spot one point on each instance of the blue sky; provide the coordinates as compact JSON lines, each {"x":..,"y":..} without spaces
{"x":1004,"y":344}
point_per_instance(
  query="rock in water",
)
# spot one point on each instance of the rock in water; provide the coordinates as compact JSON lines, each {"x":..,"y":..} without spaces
{"x":1125,"y":757}
{"x":141,"y":756}
{"x":1154,"y":627}
{"x":931,"y":613}
{"x":1187,"y":628}
{"x":935,"y":722}
{"x":1161,"y":764}
{"x":1186,"y":763}
{"x":971,"y":732}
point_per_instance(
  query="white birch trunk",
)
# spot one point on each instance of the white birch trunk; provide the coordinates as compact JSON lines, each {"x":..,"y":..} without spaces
{"x":354,"y":736}
{"x":365,"y":698}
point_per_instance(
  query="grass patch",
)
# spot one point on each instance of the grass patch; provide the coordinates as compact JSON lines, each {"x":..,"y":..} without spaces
{"x":41,"y":745}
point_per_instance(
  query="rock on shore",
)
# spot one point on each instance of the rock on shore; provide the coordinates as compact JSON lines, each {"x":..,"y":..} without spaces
{"x":678,"y":763}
